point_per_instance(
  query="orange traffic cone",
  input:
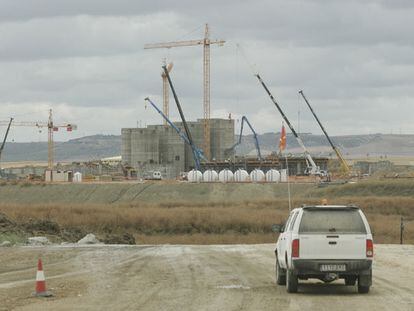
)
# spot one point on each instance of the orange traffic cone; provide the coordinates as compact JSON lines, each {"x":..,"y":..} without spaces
{"x":41,"y":282}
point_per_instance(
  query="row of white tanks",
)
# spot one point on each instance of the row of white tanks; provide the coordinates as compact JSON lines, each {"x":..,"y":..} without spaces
{"x":241,"y":175}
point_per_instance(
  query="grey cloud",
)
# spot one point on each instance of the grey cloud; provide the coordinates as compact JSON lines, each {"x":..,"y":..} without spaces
{"x":86,"y":60}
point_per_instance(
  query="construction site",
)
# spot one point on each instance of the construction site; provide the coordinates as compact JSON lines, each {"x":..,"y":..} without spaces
{"x":180,"y":218}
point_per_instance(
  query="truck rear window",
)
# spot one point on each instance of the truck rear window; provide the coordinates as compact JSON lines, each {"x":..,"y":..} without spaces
{"x":331,"y":221}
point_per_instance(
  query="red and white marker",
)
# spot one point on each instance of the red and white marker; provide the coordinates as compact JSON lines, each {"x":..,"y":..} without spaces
{"x":41,"y":282}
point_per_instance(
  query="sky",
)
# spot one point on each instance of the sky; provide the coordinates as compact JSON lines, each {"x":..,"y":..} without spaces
{"x":354,"y":60}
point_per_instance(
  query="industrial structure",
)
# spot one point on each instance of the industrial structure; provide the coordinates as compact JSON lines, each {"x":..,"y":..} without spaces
{"x":160,"y":148}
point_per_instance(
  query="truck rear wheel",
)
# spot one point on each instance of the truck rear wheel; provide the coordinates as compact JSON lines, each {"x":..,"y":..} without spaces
{"x":363,"y":289}
{"x":350,"y":280}
{"x":280,"y":274}
{"x":291,"y":281}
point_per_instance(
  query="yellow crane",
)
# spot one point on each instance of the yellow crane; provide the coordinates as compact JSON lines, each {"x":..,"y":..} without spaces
{"x":205,"y":42}
{"x":51,"y":128}
{"x":165,"y":92}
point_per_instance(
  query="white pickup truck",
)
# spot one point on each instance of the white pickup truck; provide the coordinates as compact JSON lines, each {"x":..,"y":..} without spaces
{"x":326,"y":242}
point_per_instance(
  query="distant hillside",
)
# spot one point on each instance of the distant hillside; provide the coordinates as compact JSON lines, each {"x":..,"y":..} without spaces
{"x":80,"y":149}
{"x":100,"y":146}
{"x":351,"y":145}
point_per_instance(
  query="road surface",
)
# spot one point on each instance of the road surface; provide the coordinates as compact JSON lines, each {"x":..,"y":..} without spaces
{"x":177,"y":277}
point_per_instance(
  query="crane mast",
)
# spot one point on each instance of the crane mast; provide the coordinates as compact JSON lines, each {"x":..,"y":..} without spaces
{"x":314,"y":170}
{"x":336,"y":149}
{"x":165,"y":92}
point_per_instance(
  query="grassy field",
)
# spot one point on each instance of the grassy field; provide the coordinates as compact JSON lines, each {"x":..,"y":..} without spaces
{"x":210,"y":214}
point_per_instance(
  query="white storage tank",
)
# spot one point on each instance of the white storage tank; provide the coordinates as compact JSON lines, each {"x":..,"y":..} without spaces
{"x":194,"y":176}
{"x":225,"y":175}
{"x":272,"y":175}
{"x":283,"y":175}
{"x":241,"y":176}
{"x":210,"y":176}
{"x":77,"y":177}
{"x":257,"y":175}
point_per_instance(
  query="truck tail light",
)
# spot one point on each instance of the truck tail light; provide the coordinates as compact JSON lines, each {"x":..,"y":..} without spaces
{"x":295,"y":248}
{"x":370,"y":248}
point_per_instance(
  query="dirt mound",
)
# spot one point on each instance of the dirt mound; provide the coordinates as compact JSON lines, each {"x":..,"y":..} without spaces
{"x":125,"y":238}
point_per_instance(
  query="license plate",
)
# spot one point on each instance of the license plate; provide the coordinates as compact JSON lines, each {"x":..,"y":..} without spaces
{"x":333,"y":268}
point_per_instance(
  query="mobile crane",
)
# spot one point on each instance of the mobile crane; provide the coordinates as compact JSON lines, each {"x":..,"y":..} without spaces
{"x":256,"y":140}
{"x":337,"y":151}
{"x":312,"y":169}
{"x":194,"y":148}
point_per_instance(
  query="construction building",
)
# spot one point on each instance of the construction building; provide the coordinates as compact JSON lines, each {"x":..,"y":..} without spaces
{"x":160,"y":148}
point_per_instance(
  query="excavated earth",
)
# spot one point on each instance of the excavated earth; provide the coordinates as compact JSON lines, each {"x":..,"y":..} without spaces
{"x":172,"y":277}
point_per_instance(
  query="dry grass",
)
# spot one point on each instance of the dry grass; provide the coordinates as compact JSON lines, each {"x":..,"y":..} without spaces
{"x":189,"y":223}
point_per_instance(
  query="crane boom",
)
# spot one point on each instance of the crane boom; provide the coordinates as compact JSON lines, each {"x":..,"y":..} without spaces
{"x":256,"y":140}
{"x":314,"y":170}
{"x":5,"y":138}
{"x":336,"y":149}
{"x":173,"y":44}
{"x":187,"y":130}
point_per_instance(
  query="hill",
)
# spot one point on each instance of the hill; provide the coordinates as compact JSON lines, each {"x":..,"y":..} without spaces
{"x":99,"y":146}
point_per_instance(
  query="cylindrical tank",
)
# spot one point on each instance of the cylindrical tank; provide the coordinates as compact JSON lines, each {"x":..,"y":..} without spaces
{"x":225,"y":175}
{"x":194,"y":176}
{"x":77,"y":177}
{"x":283,"y":175}
{"x":241,"y":175}
{"x":210,"y":176}
{"x":257,"y":175}
{"x":272,"y":175}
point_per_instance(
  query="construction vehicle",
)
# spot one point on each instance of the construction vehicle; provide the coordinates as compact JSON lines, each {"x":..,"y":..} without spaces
{"x":256,"y":140}
{"x":205,"y":42}
{"x":336,"y":149}
{"x":312,"y":168}
{"x":198,"y":152}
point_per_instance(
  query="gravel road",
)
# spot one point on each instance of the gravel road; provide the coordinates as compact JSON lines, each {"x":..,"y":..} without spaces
{"x":170,"y":277}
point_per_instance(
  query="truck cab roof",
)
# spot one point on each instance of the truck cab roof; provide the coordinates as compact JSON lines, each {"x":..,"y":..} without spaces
{"x":342,"y":207}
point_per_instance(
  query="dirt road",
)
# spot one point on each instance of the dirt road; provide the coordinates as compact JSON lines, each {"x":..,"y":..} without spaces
{"x":224,"y":277}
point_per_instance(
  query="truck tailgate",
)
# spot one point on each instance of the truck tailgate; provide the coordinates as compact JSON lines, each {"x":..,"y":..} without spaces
{"x":332,"y":246}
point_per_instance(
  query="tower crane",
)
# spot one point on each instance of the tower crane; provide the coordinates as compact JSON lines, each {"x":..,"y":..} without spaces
{"x":336,"y":149}
{"x":256,"y":140}
{"x":5,"y":138}
{"x":313,"y":169}
{"x":51,"y":128}
{"x":165,"y":92}
{"x":205,"y":42}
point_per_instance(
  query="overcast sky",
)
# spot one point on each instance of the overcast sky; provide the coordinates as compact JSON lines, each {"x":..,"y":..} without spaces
{"x":354,"y":60}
